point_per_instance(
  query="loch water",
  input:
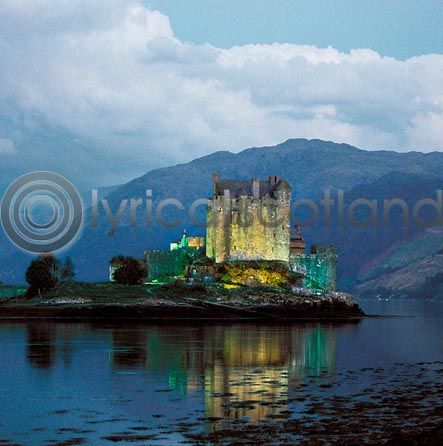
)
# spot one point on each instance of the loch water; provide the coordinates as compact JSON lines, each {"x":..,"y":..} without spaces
{"x":98,"y":383}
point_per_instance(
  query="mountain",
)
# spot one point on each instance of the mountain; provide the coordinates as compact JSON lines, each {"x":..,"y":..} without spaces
{"x":310,"y":166}
{"x":364,"y":251}
{"x":413,"y":269}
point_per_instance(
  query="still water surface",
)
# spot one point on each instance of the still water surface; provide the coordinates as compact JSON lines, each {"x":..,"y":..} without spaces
{"x":91,"y":383}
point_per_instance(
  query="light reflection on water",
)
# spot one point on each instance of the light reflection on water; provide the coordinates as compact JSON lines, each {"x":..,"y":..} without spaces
{"x":65,"y":380}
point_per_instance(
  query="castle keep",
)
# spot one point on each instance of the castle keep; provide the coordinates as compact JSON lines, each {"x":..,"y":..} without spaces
{"x":249,"y":220}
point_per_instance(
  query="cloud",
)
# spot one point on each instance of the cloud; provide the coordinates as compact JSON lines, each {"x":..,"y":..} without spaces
{"x":7,"y":147}
{"x":425,"y":131}
{"x":113,"y":75}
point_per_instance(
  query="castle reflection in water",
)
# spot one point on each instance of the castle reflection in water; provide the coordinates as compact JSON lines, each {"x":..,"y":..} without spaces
{"x":241,"y":370}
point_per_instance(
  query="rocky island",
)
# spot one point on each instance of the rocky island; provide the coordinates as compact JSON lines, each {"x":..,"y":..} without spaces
{"x":250,"y":266}
{"x":181,"y":301}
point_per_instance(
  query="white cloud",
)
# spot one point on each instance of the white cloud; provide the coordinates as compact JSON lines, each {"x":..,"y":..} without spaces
{"x":425,"y":131}
{"x":114,"y":74}
{"x":7,"y":147}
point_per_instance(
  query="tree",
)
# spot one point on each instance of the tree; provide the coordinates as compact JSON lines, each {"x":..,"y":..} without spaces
{"x":128,"y":271}
{"x":68,"y":271}
{"x":43,"y":274}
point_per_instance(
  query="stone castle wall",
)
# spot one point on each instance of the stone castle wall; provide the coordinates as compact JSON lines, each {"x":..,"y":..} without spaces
{"x":164,"y":265}
{"x":319,"y":267}
{"x":248,"y":228}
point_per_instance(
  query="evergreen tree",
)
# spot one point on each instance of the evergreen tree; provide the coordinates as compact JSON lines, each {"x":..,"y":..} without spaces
{"x":68,"y":271}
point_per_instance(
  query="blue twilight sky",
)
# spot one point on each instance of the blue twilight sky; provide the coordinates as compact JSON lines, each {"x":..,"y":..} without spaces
{"x":398,"y":28}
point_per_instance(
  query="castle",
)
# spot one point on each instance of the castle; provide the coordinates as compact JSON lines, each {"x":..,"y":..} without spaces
{"x":246,"y":221}
{"x":250,"y":220}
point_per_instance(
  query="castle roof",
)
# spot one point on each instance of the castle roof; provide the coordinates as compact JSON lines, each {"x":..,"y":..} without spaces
{"x":238,"y":188}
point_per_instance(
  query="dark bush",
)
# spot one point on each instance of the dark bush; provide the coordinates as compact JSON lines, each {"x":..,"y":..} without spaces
{"x":42,"y":275}
{"x":129,"y":271}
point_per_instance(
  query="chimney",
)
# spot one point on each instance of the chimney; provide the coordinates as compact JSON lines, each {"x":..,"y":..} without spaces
{"x":273,"y":180}
{"x":255,"y":188}
{"x":216,"y":180}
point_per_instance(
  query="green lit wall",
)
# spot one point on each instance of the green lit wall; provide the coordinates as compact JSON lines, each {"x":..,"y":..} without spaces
{"x":163,"y":266}
{"x":320,"y":268}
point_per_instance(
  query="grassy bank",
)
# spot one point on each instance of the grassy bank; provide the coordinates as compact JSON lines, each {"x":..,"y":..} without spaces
{"x":8,"y":291}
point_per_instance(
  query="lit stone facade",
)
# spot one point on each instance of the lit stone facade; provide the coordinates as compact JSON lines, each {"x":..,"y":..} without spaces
{"x":319,"y":268}
{"x":249,"y":220}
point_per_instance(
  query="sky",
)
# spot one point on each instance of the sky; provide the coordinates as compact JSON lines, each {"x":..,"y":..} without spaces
{"x":397,"y":28}
{"x":105,"y":91}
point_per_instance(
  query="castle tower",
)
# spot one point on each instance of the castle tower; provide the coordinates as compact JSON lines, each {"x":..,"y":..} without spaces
{"x":297,"y":243}
{"x":249,"y":220}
